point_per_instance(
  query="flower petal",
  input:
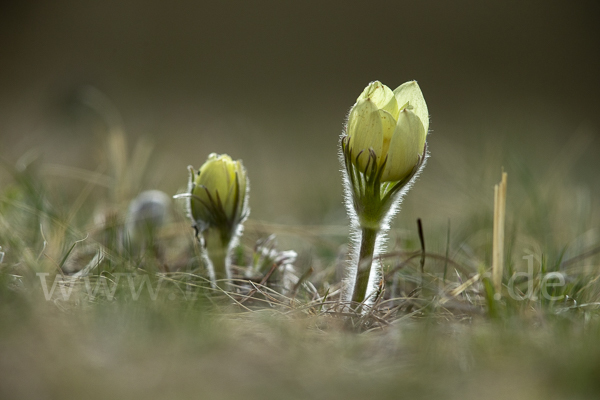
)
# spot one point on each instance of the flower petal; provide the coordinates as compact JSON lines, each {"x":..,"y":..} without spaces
{"x":365,"y":131}
{"x":243,"y":182}
{"x":406,"y":146}
{"x":382,"y":96}
{"x":410,"y":92}
{"x":217,"y":175}
{"x":388,"y":125}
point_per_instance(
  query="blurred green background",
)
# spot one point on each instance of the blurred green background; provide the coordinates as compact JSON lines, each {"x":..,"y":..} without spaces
{"x":508,"y":83}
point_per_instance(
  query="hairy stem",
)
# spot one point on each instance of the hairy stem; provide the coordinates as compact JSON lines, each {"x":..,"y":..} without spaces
{"x":217,"y":251}
{"x":365,"y":261}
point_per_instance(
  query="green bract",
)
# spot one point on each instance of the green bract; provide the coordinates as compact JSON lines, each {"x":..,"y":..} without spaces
{"x":393,"y":124}
{"x":218,"y":193}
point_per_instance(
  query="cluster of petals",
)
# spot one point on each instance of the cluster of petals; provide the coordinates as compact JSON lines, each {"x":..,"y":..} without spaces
{"x":220,"y":182}
{"x":392,"y":124}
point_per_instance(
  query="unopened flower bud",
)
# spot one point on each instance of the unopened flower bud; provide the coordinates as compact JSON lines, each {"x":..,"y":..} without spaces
{"x":218,"y":193}
{"x":389,"y":125}
{"x":218,"y":205}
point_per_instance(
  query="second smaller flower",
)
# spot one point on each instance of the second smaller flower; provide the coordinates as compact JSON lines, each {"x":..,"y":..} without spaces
{"x":218,"y":205}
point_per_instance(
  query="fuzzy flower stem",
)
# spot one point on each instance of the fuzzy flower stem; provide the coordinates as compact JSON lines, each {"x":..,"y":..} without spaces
{"x":217,"y":250}
{"x":365,"y":261}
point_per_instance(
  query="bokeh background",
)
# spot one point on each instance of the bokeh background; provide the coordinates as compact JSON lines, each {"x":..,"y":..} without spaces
{"x":509,"y":84}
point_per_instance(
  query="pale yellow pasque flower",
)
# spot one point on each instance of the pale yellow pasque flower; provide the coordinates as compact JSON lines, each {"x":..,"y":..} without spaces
{"x":393,"y":124}
{"x":219,"y":192}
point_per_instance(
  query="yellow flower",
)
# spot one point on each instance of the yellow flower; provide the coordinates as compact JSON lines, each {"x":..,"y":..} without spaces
{"x":219,"y":193}
{"x":393,"y":124}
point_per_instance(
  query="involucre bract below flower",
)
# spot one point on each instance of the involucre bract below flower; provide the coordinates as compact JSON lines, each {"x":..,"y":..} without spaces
{"x":391,"y":124}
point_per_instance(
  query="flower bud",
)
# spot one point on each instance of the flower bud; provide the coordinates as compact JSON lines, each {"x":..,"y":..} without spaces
{"x":147,"y":212}
{"x":389,"y":125}
{"x":218,"y":193}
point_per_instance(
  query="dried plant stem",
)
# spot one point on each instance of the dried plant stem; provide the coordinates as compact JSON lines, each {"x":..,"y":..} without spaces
{"x":498,"y":236}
